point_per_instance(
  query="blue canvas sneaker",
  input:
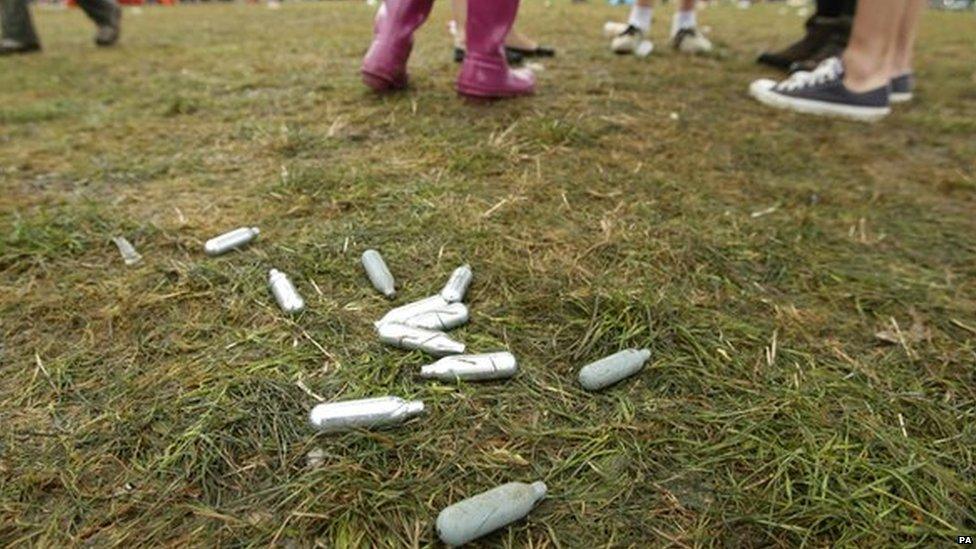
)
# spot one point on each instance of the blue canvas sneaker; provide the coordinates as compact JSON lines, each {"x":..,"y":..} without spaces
{"x":902,"y":88}
{"x":822,"y":92}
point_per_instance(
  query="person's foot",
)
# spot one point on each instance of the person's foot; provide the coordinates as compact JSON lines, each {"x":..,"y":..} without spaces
{"x":108,"y":34}
{"x":513,"y":57}
{"x":525,"y":46}
{"x":763,"y":85}
{"x":626,"y":42}
{"x":833,"y":48}
{"x":9,"y":46}
{"x":384,"y":67}
{"x":690,"y":40}
{"x":536,"y":51}
{"x":823,"y":92}
{"x":819,"y":31}
{"x":902,"y":88}
{"x":613,"y":28}
{"x":485,"y":73}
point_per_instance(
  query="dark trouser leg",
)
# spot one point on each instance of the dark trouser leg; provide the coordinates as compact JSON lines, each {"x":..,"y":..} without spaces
{"x":849,"y":7}
{"x":826,"y":36}
{"x":835,"y":8}
{"x":17,"y":23}
{"x":830,"y":8}
{"x":102,"y":12}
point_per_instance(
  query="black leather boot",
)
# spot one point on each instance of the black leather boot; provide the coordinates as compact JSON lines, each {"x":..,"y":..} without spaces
{"x":834,"y":47}
{"x":821,"y":31}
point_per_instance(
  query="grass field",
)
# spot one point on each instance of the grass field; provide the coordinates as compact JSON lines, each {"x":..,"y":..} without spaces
{"x":632,"y":202}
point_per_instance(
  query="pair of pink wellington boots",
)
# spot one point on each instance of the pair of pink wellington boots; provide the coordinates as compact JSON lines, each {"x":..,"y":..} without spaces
{"x":484,"y":73}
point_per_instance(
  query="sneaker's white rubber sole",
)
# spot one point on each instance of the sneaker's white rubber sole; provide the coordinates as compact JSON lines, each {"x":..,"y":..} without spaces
{"x":625,"y":45}
{"x":644,"y":48}
{"x":767,"y":96}
{"x":693,"y":46}
{"x":760,"y":86}
{"x":904,"y":97}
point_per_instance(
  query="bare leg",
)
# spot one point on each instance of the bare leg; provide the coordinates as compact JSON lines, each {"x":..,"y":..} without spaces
{"x":459,"y":10}
{"x":870,"y":51}
{"x":515,"y":38}
{"x":640,"y":14}
{"x":901,"y":61}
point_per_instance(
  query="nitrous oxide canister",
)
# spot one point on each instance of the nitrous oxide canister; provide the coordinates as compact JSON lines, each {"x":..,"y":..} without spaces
{"x":457,"y":285}
{"x":472,"y":367}
{"x":611,"y":369}
{"x":429,"y":341}
{"x":129,"y":254}
{"x":378,"y":273}
{"x":402,"y":313}
{"x":448,"y":317}
{"x":334,"y":417}
{"x":488,"y":511}
{"x":230,"y":241}
{"x":284,"y":292}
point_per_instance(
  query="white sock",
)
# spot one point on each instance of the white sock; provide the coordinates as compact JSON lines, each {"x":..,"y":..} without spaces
{"x":685,"y":20}
{"x":640,"y":17}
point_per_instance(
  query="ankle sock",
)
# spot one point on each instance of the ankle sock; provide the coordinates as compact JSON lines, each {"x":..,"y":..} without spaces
{"x":685,"y":20}
{"x":640,"y":17}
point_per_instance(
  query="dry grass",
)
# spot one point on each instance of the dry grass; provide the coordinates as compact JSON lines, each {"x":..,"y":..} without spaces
{"x":163,"y":404}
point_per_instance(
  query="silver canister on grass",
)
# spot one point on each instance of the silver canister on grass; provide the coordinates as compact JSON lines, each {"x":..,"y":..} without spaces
{"x":129,"y":254}
{"x":486,"y":512}
{"x":334,"y":417}
{"x":611,"y":369}
{"x":284,"y":292}
{"x":457,"y":285}
{"x":429,"y":341}
{"x":472,"y":367}
{"x":404,"y":312}
{"x":444,"y":318}
{"x":230,"y":241}
{"x":378,"y":273}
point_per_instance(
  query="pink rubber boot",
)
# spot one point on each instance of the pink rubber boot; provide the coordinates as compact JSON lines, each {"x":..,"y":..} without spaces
{"x":385,"y":65}
{"x":485,"y":73}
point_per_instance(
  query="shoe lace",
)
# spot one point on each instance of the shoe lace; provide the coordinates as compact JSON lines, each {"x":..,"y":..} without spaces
{"x":828,"y":70}
{"x":631,"y":30}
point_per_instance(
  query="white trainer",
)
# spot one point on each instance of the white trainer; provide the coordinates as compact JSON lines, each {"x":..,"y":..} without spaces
{"x":627,"y":41}
{"x":691,"y":40}
{"x":613,"y":28}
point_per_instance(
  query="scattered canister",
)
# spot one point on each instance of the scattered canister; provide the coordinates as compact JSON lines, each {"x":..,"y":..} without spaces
{"x":472,"y":367}
{"x":429,"y":341}
{"x":445,"y":318}
{"x":378,"y":273}
{"x":458,"y":284}
{"x":488,"y":511}
{"x":334,"y":417}
{"x":609,"y":370}
{"x":284,"y":292}
{"x":230,"y":241}
{"x":402,"y":313}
